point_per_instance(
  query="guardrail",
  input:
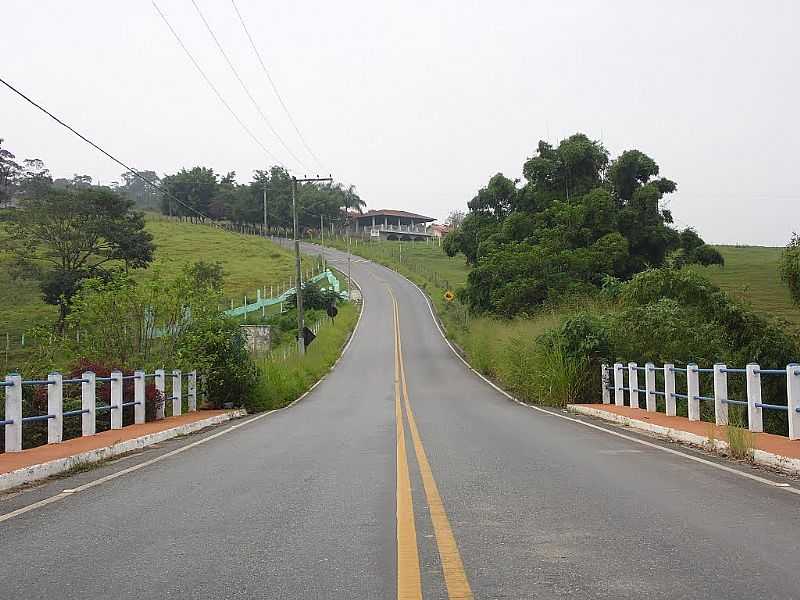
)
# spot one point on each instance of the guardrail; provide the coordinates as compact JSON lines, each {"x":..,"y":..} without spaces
{"x":752,"y":373}
{"x":13,"y":419}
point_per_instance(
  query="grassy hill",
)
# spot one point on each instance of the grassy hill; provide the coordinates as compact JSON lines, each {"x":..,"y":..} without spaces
{"x":751,"y":273}
{"x":249,"y":263}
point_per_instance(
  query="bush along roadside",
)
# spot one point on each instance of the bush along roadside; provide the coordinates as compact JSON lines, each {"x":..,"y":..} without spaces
{"x":284,"y":378}
{"x":157,"y":321}
{"x":660,"y":315}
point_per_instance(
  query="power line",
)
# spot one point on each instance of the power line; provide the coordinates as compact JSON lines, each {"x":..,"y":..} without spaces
{"x":214,"y":88}
{"x":244,"y":87}
{"x":108,"y":154}
{"x":275,"y":88}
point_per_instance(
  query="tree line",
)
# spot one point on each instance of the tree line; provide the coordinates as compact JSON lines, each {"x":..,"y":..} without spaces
{"x":266,"y":199}
{"x":62,"y":232}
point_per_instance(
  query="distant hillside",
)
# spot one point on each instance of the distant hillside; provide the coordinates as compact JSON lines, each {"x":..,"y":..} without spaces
{"x":751,"y":273}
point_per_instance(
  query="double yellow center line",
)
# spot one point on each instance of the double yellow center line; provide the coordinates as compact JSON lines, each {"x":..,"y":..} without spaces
{"x":409,"y":581}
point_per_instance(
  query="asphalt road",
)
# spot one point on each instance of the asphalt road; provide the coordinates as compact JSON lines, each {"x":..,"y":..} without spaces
{"x":500,"y":501}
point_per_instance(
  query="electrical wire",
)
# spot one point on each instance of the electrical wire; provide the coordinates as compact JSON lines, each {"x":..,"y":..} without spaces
{"x":275,"y":88}
{"x":214,"y":88}
{"x":108,"y":154}
{"x":244,"y":86}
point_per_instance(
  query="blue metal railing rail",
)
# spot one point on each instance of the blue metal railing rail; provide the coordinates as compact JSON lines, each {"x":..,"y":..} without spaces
{"x":620,"y":384}
{"x":13,"y":420}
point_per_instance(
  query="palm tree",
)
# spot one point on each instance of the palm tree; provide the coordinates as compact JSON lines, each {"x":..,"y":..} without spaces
{"x":353,"y":200}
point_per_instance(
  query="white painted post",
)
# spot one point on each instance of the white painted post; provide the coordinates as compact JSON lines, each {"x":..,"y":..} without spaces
{"x":160,"y":381}
{"x":754,"y":417}
{"x":55,"y":407}
{"x":619,"y":383}
{"x":793,"y":399}
{"x":693,"y":391}
{"x":605,"y":379}
{"x":116,"y":400}
{"x":176,"y":393}
{"x":88,"y":403}
{"x":633,"y":385}
{"x":650,"y":386}
{"x":669,"y":389}
{"x":139,"y":396}
{"x":13,"y":412}
{"x":720,"y":395}
{"x":191,"y":394}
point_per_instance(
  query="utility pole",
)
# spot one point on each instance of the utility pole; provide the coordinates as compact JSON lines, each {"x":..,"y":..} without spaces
{"x":265,"y":208}
{"x":321,"y":232}
{"x":301,"y":344}
{"x":349,"y":281}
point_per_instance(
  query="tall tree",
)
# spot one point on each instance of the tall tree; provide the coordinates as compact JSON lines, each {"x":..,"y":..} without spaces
{"x":9,"y":172}
{"x":455,"y":219}
{"x":578,"y":219}
{"x":143,"y":195}
{"x":64,"y":236}
{"x":195,"y":189}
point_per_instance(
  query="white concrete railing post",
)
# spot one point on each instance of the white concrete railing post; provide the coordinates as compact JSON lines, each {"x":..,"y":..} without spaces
{"x":633,"y":385}
{"x":191,"y":394}
{"x":139,"y":396}
{"x":754,"y":418}
{"x":55,"y":407}
{"x":176,"y":393}
{"x":13,"y":412}
{"x":650,"y":387}
{"x":793,"y":399}
{"x":720,"y":394}
{"x":88,"y":403}
{"x":693,"y":391}
{"x":605,"y":379}
{"x":116,"y":400}
{"x":160,"y":384}
{"x":619,"y":383}
{"x":669,"y":389}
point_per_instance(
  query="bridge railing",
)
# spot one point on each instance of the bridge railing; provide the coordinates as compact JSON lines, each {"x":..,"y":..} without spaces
{"x":622,"y":381}
{"x":13,"y":419}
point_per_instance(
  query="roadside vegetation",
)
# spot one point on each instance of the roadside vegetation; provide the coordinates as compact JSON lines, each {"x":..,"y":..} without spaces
{"x":248,"y":263}
{"x":94,"y":284}
{"x":283,"y":379}
{"x":548,"y":287}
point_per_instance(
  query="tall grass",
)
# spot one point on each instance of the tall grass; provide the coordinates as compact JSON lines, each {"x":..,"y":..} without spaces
{"x":740,"y":439}
{"x":283,"y":381}
{"x":541,"y":373}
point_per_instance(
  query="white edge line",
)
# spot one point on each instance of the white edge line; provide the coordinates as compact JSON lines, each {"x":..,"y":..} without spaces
{"x":65,"y":493}
{"x":763,"y":480}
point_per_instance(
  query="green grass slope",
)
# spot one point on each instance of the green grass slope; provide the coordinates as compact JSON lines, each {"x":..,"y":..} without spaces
{"x":249,"y":262}
{"x":751,"y":274}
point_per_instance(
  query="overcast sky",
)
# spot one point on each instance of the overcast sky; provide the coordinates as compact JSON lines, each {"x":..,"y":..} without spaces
{"x":418,"y":103}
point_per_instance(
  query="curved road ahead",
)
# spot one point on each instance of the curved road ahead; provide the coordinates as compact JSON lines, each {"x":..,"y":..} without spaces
{"x":403,"y":474}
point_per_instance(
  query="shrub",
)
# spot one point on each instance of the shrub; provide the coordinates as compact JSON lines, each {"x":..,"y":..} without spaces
{"x":314,"y":297}
{"x":672,"y":315}
{"x":216,"y":347}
